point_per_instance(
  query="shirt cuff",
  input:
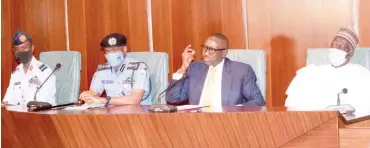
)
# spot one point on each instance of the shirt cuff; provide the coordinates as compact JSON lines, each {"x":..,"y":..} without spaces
{"x":177,"y":76}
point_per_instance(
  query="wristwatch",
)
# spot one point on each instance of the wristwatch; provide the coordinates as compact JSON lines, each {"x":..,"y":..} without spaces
{"x":108,"y":100}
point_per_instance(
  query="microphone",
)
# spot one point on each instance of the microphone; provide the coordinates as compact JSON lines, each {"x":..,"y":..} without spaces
{"x":79,"y":102}
{"x":343,"y":109}
{"x":37,"y":106}
{"x":174,"y":84}
{"x":344,"y":91}
{"x":56,"y":68}
{"x":164,"y":108}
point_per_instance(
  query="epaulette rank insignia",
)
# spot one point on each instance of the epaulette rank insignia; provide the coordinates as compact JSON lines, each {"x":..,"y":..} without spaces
{"x":103,"y":67}
{"x":42,"y":67}
{"x":133,"y":65}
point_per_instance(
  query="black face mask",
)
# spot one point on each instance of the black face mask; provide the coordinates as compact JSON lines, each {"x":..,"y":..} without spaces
{"x":24,"y":56}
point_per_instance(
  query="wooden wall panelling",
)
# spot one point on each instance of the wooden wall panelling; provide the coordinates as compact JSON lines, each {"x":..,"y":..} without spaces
{"x":138,"y":25}
{"x":162,"y":28}
{"x":177,"y":24}
{"x":77,"y":36}
{"x":6,"y":54}
{"x":96,"y":19}
{"x":364,"y":22}
{"x":285,"y":29}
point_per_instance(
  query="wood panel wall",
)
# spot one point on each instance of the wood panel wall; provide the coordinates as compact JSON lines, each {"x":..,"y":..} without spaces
{"x":179,"y":23}
{"x":286,"y":28}
{"x":91,"y":20}
{"x":364,"y":22}
{"x":283,"y":28}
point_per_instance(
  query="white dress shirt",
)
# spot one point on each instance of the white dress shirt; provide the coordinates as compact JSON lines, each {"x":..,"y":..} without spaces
{"x":23,"y":86}
{"x":216,"y":102}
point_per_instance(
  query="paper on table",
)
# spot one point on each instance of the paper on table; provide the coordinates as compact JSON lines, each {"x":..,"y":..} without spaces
{"x":185,"y":107}
{"x":84,"y":107}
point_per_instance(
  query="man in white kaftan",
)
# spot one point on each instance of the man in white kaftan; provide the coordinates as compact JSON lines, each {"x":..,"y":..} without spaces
{"x":317,"y":87}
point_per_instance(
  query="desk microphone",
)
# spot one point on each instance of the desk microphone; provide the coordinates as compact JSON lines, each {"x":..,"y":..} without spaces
{"x":343,"y":109}
{"x":344,"y":91}
{"x":37,"y":106}
{"x":164,"y":108}
{"x":56,"y":68}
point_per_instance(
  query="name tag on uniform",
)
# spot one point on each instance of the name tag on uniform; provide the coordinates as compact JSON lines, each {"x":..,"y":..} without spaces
{"x":107,"y":81}
{"x":133,"y":65}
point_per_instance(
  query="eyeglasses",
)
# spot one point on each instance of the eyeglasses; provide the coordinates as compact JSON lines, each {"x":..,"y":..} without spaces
{"x":211,"y":50}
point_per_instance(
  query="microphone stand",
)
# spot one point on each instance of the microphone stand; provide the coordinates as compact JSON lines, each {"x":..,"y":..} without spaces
{"x":174,"y":84}
{"x":46,"y":106}
{"x":56,"y":68}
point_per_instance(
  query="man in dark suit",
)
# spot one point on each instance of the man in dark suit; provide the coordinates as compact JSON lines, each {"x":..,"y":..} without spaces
{"x":216,"y":80}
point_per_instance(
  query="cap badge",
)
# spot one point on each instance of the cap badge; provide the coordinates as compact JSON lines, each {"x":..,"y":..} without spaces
{"x":112,"y":41}
{"x":22,"y":38}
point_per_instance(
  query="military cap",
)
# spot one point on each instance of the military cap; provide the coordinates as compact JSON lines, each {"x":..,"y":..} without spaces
{"x":113,"y":40}
{"x":20,"y":37}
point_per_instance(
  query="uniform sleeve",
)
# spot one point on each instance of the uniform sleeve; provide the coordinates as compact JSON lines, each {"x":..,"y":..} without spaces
{"x":47,"y":93}
{"x":96,"y":83}
{"x":141,"y":78}
{"x":8,"y":98}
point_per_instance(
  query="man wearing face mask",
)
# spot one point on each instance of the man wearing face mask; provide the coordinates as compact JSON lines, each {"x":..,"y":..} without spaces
{"x":124,"y":79}
{"x":28,"y":75}
{"x":317,"y":87}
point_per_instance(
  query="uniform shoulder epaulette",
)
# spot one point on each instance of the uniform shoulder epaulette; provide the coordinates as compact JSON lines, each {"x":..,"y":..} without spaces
{"x":42,"y":67}
{"x":133,"y":65}
{"x":103,"y":67}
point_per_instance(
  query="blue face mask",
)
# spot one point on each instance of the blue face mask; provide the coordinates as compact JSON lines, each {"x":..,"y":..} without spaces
{"x":115,"y":59}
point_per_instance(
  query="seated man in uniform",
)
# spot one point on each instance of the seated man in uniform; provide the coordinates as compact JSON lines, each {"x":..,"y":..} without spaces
{"x":317,"y":87}
{"x":124,"y":79}
{"x":29,"y":75}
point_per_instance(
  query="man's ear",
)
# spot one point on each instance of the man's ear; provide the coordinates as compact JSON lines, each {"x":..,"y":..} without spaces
{"x":125,"y":49}
{"x":224,"y":53}
{"x":33,"y":48}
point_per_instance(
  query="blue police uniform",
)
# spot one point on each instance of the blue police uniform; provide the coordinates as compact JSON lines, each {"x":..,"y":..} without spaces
{"x":130,"y":74}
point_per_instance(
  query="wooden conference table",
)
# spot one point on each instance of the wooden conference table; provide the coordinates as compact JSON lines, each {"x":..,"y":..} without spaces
{"x":133,"y":126}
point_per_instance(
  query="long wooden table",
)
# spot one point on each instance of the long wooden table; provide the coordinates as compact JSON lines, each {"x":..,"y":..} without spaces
{"x":134,"y":126}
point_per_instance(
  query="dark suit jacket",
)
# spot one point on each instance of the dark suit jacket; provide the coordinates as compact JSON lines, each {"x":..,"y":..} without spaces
{"x":238,"y":85}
